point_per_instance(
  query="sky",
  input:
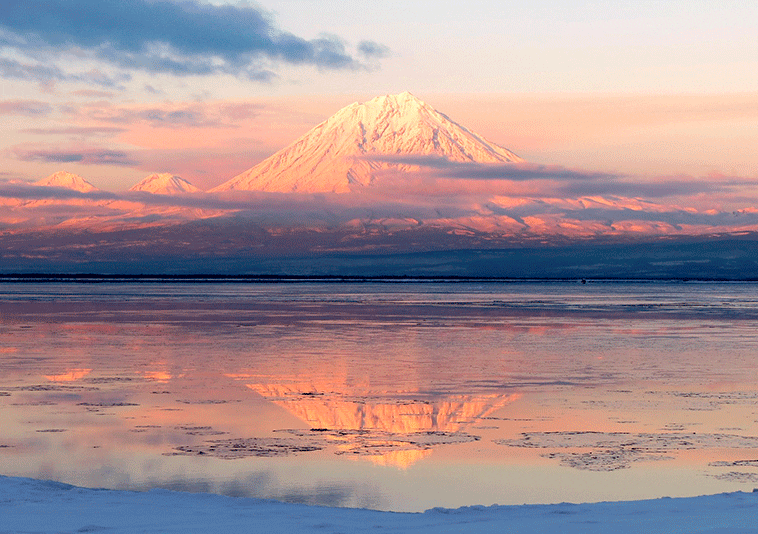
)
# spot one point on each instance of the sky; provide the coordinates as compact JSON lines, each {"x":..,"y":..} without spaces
{"x":652,"y":106}
{"x":117,"y":90}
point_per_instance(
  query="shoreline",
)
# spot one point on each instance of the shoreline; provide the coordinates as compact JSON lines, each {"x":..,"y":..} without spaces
{"x":84,"y":278}
{"x":30,"y":505}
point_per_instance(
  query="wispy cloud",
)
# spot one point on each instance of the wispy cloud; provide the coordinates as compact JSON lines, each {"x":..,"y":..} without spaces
{"x":31,"y":108}
{"x":373,"y":50}
{"x":47,"y":73}
{"x":181,"y":38}
{"x":81,"y":131}
{"x":661,"y":188}
{"x":10,"y":68}
{"x":249,"y":202}
{"x":520,"y":172}
{"x":85,"y":156}
{"x":516,"y":172}
{"x":570,"y":182}
{"x":34,"y":192}
{"x":93,"y":93}
{"x":676,"y":218}
{"x":178,"y":115}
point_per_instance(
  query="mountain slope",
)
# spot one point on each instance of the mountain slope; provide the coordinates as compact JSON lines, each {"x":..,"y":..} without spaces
{"x":349,"y":150}
{"x":68,"y":181}
{"x":164,"y":184}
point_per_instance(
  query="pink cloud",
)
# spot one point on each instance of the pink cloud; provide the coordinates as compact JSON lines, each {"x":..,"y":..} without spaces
{"x":219,"y":115}
{"x":93,"y":93}
{"x":31,"y":108}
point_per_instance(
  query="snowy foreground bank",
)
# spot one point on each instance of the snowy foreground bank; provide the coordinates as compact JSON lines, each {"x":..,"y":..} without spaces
{"x":28,"y":506}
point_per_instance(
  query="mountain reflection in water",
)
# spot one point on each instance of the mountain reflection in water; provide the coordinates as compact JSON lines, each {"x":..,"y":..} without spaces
{"x":386,"y":429}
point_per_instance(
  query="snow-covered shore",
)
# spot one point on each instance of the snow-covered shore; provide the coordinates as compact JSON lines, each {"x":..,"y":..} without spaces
{"x":28,"y":506}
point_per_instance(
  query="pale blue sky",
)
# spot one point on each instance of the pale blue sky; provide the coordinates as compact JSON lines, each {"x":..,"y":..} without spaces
{"x":539,"y":46}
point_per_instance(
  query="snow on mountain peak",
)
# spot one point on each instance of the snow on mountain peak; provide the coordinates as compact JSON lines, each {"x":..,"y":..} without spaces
{"x":347,"y":151}
{"x":67,"y":180}
{"x":164,"y":184}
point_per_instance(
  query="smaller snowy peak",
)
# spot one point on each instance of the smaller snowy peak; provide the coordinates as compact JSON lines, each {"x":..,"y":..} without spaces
{"x":67,"y":180}
{"x":164,"y":184}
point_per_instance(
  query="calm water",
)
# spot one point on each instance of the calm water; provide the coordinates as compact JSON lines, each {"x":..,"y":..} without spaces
{"x":395,"y":396}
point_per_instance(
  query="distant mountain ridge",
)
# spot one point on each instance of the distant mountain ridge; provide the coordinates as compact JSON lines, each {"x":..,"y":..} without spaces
{"x":347,"y":151}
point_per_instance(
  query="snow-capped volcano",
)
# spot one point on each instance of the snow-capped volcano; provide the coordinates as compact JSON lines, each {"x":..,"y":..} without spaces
{"x":164,"y":184}
{"x":68,"y":181}
{"x":348,"y":150}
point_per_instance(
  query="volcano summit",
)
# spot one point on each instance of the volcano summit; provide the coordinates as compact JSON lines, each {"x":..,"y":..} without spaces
{"x":351,"y":149}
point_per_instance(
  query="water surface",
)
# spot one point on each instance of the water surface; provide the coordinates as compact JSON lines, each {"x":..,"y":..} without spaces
{"x":394,"y":396}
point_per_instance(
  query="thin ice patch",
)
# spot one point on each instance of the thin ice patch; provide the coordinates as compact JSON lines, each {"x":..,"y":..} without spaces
{"x":234,"y":449}
{"x":375,"y":443}
{"x":610,"y":451}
